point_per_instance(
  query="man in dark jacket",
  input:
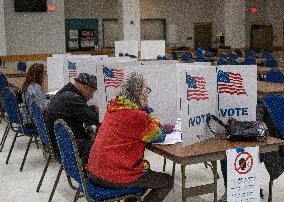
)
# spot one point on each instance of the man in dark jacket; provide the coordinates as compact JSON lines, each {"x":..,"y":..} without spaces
{"x":70,"y":104}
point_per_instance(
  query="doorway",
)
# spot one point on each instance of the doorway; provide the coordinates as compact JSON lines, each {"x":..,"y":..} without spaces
{"x":202,"y":35}
{"x":261,"y":37}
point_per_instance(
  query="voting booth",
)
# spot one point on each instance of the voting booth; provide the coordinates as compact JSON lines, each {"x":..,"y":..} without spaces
{"x":237,"y":92}
{"x":197,"y":89}
{"x":160,"y":79}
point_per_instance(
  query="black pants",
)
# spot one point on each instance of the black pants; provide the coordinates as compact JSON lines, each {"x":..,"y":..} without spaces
{"x":84,"y":147}
{"x":159,"y":183}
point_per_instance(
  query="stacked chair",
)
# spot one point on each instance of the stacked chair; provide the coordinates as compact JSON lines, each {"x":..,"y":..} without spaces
{"x":274,"y":76}
{"x":186,"y":57}
{"x":199,"y":55}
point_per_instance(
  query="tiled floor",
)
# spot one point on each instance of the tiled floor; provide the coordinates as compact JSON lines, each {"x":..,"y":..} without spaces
{"x":16,"y":186}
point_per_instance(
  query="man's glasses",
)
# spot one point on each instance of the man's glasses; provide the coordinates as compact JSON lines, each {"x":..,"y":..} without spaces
{"x":148,"y":90}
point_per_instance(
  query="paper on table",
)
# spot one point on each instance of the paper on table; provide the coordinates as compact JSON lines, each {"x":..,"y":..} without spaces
{"x":52,"y":92}
{"x":172,"y":138}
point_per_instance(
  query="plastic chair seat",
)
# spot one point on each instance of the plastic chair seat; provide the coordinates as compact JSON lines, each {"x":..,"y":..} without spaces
{"x":101,"y":194}
{"x":26,"y":131}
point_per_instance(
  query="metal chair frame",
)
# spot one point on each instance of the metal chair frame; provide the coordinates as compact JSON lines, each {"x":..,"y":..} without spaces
{"x":81,"y":173}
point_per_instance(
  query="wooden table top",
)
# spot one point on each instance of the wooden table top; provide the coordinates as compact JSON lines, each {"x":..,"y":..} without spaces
{"x":209,"y":150}
{"x":268,"y":87}
{"x":12,"y":72}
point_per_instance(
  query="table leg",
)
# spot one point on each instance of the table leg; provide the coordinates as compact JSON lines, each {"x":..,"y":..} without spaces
{"x":215,"y":173}
{"x":174,"y":168}
{"x":183,"y":183}
{"x":164,"y":166}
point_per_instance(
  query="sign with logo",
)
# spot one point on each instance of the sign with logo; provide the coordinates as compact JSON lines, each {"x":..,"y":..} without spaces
{"x":243,"y":183}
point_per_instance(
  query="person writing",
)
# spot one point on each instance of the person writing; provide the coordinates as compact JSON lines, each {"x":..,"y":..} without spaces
{"x":70,"y":104}
{"x":116,"y":157}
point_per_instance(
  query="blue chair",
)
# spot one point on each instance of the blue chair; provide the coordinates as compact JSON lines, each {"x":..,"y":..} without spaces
{"x":199,"y":55}
{"x":275,"y":76}
{"x":222,"y":55}
{"x":235,"y":62}
{"x":265,"y":55}
{"x":73,"y":167}
{"x":271,"y":62}
{"x":121,"y":55}
{"x":22,"y":66}
{"x":47,"y":146}
{"x":249,"y":61}
{"x":14,"y":117}
{"x":222,"y":61}
{"x":232,"y":56}
{"x":275,"y":106}
{"x":239,"y":52}
{"x":164,"y":57}
{"x":126,"y":55}
{"x":174,"y":55}
{"x":250,"y":53}
{"x":186,"y":57}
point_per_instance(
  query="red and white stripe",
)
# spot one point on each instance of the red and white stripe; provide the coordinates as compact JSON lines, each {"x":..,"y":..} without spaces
{"x":199,"y":93}
{"x":234,"y":87}
{"x":117,"y":80}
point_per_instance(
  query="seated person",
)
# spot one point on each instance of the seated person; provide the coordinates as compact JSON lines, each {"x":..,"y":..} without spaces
{"x":32,"y":88}
{"x":70,"y":104}
{"x":116,"y":158}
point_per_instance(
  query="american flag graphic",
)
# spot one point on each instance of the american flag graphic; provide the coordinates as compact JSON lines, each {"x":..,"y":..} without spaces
{"x":230,"y":83}
{"x":72,"y":69}
{"x":113,"y":77}
{"x":196,"y":88}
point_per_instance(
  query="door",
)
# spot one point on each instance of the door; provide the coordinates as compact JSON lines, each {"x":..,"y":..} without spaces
{"x":202,"y":35}
{"x":261,"y":36}
{"x":110,"y":32}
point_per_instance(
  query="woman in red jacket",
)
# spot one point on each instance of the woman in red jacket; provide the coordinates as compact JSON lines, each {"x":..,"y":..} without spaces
{"x":116,"y":158}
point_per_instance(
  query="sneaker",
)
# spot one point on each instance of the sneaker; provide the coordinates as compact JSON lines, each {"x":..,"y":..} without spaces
{"x":224,"y":197}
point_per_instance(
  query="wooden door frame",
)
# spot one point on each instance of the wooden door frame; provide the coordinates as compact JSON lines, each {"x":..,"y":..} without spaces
{"x":194,"y":32}
{"x":103,"y":30}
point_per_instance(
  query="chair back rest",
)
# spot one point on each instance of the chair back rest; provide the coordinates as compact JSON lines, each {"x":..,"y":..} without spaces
{"x":250,"y":53}
{"x":3,"y":81}
{"x":22,"y":66}
{"x":174,"y":55}
{"x":199,"y":55}
{"x":235,"y":62}
{"x":271,"y":62}
{"x":121,"y":55}
{"x":69,"y":152}
{"x":9,"y":102}
{"x":126,"y":54}
{"x":222,"y":55}
{"x":239,"y":52}
{"x":186,"y":57}
{"x":159,"y":57}
{"x":275,"y":105}
{"x":275,"y":76}
{"x":40,"y":124}
{"x":265,"y":55}
{"x":249,"y":61}
{"x":222,"y":61}
{"x":232,"y":55}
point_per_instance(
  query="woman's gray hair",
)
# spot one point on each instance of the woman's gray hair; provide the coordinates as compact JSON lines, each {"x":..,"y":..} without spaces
{"x":132,"y":87}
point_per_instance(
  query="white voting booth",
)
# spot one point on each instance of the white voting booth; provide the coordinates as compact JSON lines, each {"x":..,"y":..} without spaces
{"x":237,"y":92}
{"x":151,"y":49}
{"x":197,"y":91}
{"x":130,"y":47}
{"x":160,"y":78}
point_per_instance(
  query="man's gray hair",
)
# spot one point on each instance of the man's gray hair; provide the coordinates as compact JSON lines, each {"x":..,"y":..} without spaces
{"x":132,"y":87}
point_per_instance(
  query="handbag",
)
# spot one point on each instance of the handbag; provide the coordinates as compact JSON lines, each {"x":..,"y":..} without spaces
{"x":242,"y":130}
